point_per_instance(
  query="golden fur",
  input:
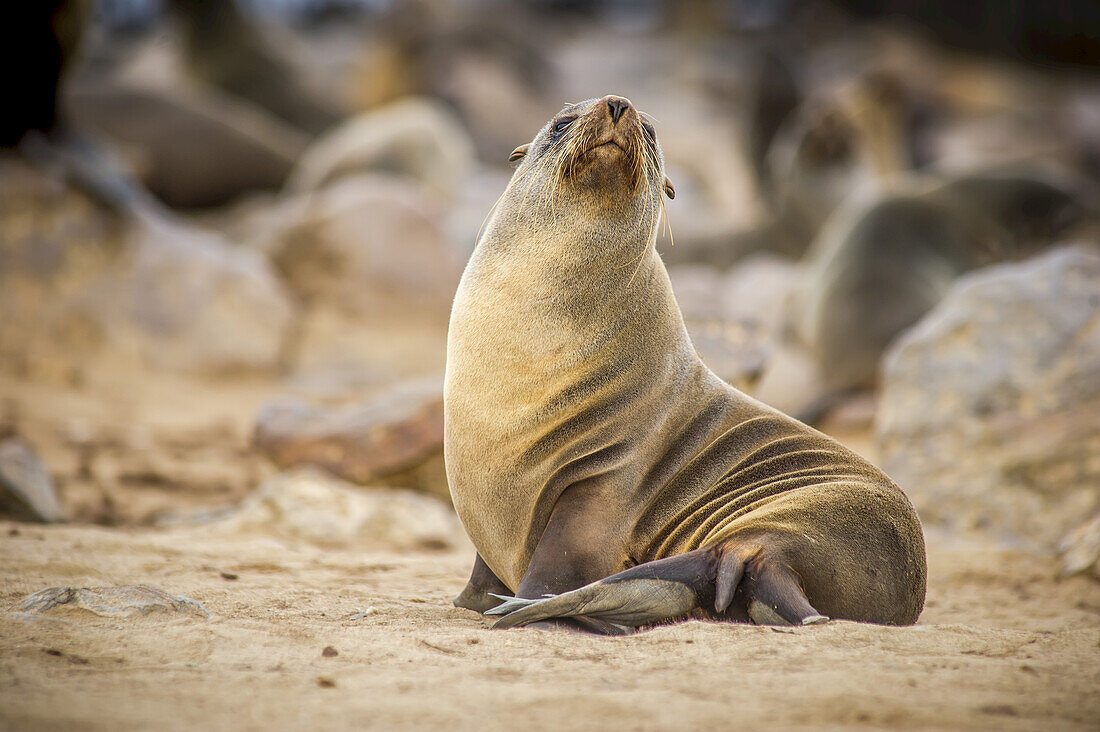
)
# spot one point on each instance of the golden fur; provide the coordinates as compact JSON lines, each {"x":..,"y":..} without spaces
{"x":583,"y":435}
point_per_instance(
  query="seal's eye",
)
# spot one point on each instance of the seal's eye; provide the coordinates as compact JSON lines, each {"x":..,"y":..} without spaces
{"x":650,"y":133}
{"x":561,"y":126}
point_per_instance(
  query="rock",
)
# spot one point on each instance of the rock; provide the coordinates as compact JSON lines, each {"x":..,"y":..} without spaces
{"x":715,"y":197}
{"x":365,"y":442}
{"x":226,"y":48}
{"x":76,"y":278}
{"x":368,"y":244}
{"x":55,"y":240}
{"x":698,"y":290}
{"x":990,"y":410}
{"x":735,"y":319}
{"x":482,"y":84}
{"x":731,"y":348}
{"x":478,"y":195}
{"x":26,"y":491}
{"x":1080,"y":549}
{"x":758,"y":289}
{"x":308,"y":505}
{"x":124,"y":600}
{"x":735,"y":351}
{"x":191,"y":301}
{"x":790,"y":381}
{"x":417,"y":137}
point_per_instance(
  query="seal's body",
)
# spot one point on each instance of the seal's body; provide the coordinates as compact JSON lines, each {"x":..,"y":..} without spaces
{"x":588,"y":447}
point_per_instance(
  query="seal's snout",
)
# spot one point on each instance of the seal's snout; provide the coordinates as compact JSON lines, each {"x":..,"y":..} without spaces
{"x":604,"y":142}
{"x":616,"y":106}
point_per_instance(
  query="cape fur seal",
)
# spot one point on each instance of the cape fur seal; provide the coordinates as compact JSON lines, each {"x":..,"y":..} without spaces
{"x":602,"y":471}
{"x":880,"y":265}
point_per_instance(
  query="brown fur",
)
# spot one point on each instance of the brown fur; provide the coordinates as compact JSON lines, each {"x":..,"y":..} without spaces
{"x":880,"y":265}
{"x":584,"y":436}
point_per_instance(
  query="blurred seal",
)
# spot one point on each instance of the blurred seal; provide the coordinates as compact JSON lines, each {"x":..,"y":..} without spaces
{"x":602,"y":471}
{"x":880,"y":265}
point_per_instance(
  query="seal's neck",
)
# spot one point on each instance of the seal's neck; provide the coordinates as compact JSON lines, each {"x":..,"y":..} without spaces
{"x":552,"y":297}
{"x":546,"y":297}
{"x":579,"y":249}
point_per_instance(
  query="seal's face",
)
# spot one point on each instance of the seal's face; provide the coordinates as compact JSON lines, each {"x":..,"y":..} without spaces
{"x":603,"y":145}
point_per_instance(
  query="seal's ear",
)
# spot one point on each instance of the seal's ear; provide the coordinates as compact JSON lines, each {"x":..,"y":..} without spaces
{"x":518,"y":153}
{"x":670,"y":190}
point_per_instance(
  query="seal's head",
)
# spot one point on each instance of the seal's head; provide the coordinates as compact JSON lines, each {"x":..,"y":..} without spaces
{"x":600,"y":153}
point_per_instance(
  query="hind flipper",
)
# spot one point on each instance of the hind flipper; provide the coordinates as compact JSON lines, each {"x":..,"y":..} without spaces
{"x":703,"y":582}
{"x":775,"y":596}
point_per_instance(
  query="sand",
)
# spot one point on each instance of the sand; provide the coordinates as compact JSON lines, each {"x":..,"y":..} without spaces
{"x":1001,"y":645}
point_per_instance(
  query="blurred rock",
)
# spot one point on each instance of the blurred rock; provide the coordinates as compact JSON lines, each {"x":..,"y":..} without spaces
{"x":990,"y":410}
{"x":392,"y":342}
{"x":54,"y":240}
{"x":971,"y":144}
{"x":368,"y":244}
{"x":190,"y":301}
{"x":698,"y":290}
{"x":481,"y":63}
{"x":790,"y":381}
{"x":307,"y":505}
{"x":716,"y":201}
{"x":481,"y":85}
{"x":190,"y":147}
{"x":418,"y":137}
{"x":75,"y":278}
{"x":758,"y":289}
{"x":735,"y":318}
{"x":1080,"y":549}
{"x":26,"y":491}
{"x":369,"y":441}
{"x":121,"y":601}
{"x":478,"y":195}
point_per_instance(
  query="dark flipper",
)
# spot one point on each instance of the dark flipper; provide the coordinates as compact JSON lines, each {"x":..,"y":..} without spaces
{"x":702,"y":582}
{"x":775,"y":595}
{"x":483,"y":589}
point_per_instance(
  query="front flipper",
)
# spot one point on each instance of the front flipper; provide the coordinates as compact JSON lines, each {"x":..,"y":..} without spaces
{"x":649,"y":593}
{"x":676,"y":588}
{"x":480,"y":591}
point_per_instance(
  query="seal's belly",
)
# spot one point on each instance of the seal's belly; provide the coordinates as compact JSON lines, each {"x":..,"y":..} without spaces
{"x":755,"y":457}
{"x":675,"y":489}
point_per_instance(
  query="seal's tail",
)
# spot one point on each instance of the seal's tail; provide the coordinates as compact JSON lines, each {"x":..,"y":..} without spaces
{"x":687,"y":585}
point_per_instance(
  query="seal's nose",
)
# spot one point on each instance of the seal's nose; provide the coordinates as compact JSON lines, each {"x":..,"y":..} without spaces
{"x":617,"y":105}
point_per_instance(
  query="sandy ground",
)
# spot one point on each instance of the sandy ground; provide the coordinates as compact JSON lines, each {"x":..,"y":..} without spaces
{"x":1001,"y":645}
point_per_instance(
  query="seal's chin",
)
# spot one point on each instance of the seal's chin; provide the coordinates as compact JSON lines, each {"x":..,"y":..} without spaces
{"x":606,"y":164}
